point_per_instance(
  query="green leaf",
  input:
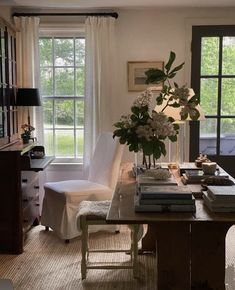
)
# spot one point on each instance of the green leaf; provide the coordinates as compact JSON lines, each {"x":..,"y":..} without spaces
{"x":175,"y":105}
{"x":176,"y":85}
{"x":170,"y":61}
{"x":135,"y":110}
{"x":171,"y":75}
{"x":194,"y":114}
{"x":173,"y":138}
{"x":155,"y":76}
{"x":177,"y":68}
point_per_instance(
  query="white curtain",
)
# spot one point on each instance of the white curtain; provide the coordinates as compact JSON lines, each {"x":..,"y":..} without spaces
{"x":27,"y":55}
{"x":100,"y":70}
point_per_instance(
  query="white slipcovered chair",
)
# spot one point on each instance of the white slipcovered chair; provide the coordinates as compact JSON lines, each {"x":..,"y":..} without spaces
{"x":61,"y":200}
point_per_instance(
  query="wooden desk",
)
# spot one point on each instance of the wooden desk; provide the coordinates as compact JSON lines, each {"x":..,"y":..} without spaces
{"x":190,"y":247}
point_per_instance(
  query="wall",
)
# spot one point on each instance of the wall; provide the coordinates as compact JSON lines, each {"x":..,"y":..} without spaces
{"x":5,"y":13}
{"x":151,"y":34}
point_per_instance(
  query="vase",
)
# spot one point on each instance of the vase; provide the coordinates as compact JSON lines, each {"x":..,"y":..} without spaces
{"x":25,"y":140}
{"x":146,"y":161}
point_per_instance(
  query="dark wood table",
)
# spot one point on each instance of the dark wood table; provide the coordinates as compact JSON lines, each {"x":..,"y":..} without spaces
{"x":190,"y":247}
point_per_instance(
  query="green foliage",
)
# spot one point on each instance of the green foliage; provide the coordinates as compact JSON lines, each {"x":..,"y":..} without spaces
{"x":146,"y":131}
{"x":209,"y":86}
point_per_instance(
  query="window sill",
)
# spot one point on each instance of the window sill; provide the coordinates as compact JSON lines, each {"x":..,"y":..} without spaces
{"x":59,"y":166}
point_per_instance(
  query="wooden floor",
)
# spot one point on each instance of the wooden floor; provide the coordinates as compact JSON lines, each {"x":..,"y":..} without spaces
{"x":48,"y":263}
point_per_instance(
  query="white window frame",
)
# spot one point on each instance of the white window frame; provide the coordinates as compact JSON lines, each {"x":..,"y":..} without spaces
{"x":65,"y":30}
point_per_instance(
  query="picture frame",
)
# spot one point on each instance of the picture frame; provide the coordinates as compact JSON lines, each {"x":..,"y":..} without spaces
{"x":136,"y":76}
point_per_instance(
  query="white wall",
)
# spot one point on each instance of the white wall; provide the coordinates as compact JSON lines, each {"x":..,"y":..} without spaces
{"x":5,"y":13}
{"x":151,"y":34}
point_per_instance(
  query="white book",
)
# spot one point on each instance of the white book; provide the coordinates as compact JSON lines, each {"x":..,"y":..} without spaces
{"x":218,"y":206}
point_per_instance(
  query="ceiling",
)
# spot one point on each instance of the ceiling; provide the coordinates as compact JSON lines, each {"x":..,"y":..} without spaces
{"x":116,"y":3}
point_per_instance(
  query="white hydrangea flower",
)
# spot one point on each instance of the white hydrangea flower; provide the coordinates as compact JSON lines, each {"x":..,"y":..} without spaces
{"x":144,"y":99}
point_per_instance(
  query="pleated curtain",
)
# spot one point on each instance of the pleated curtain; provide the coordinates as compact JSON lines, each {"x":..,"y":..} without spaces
{"x":28,"y":75}
{"x":100,"y":71}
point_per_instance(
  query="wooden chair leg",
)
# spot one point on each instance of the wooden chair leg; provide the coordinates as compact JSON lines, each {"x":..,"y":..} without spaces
{"x":135,"y":250}
{"x":84,"y":229}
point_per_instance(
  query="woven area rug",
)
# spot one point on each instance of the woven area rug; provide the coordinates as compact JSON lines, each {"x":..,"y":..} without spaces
{"x":48,"y":263}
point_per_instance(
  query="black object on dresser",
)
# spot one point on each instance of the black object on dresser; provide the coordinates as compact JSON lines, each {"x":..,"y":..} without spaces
{"x":19,"y":193}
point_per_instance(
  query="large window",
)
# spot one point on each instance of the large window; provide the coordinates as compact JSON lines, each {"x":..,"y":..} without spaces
{"x":213,"y":78}
{"x":62,"y":64}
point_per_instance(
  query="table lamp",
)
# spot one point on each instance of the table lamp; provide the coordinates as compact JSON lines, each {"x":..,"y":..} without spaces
{"x":175,"y":114}
{"x":27,"y":97}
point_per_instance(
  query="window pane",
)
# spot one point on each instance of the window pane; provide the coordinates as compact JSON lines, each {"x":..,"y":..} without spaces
{"x":208,"y":136}
{"x":64,"y":81}
{"x":64,"y":143}
{"x":210,"y":56}
{"x":80,"y":81}
{"x":228,"y":97}
{"x":227,"y":137}
{"x":46,"y":81}
{"x":80,"y":142}
{"x":228,"y":64}
{"x":64,"y":52}
{"x":45,"y":46}
{"x":80,"y":51}
{"x":80,"y":113}
{"x":209,"y":96}
{"x":48,"y":142}
{"x":48,"y":113}
{"x":64,"y":112}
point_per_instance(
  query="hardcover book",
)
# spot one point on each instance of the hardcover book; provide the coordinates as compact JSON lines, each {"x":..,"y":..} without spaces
{"x":221,"y":192}
{"x":167,"y":201}
{"x":164,"y":192}
{"x":163,"y":207}
{"x":199,"y":174}
{"x":218,"y":206}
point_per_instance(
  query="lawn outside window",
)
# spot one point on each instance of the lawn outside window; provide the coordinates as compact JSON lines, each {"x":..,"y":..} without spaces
{"x":62,"y":71}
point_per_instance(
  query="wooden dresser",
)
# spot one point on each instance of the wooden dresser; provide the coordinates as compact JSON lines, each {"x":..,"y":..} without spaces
{"x":19,"y":193}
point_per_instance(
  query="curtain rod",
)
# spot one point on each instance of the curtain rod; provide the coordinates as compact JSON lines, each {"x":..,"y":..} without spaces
{"x":112,"y":14}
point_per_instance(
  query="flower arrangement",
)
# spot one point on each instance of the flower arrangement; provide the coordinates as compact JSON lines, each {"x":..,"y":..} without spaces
{"x":27,"y":129}
{"x":144,"y":129}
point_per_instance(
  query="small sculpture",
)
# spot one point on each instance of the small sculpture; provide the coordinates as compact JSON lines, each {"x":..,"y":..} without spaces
{"x":201,"y":159}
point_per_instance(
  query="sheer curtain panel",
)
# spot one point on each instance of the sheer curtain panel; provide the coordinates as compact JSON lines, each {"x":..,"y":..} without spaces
{"x":27,"y":55}
{"x":100,"y":69}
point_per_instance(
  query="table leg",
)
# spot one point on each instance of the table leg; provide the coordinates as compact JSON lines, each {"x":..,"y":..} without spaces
{"x":208,"y":255}
{"x":173,"y":256}
{"x":149,"y":239}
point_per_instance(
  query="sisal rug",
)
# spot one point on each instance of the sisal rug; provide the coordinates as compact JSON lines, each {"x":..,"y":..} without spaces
{"x":48,"y":263}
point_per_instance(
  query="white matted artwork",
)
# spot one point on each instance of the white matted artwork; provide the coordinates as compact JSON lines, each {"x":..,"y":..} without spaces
{"x":137,"y":77}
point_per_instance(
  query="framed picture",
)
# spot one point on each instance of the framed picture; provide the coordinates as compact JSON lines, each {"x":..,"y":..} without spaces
{"x":137,"y":77}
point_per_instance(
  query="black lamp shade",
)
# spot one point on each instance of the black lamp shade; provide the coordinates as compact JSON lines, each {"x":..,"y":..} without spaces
{"x":28,"y":97}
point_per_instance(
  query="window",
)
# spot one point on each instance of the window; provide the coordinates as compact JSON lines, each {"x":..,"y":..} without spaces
{"x":213,"y":78}
{"x":62,"y":70}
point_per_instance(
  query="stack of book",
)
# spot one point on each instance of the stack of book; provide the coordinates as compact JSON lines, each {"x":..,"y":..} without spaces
{"x":192,"y":176}
{"x":220,"y":198}
{"x":168,"y":198}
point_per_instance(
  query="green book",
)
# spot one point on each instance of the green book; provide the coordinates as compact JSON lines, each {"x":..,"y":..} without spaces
{"x":165,"y":192}
{"x":163,"y":207}
{"x":167,"y":201}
